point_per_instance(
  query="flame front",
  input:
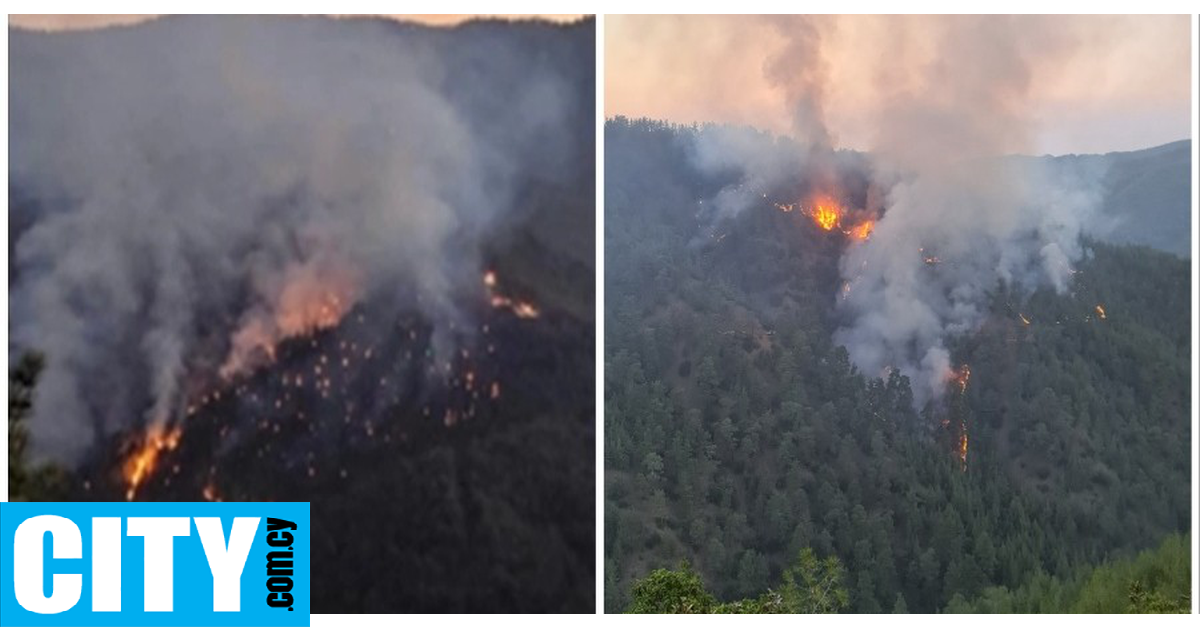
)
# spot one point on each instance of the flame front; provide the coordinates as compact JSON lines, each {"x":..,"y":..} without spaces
{"x":522,"y":309}
{"x":309,"y":298}
{"x":962,"y":446}
{"x":142,"y":462}
{"x":862,"y":230}
{"x":827,"y":215}
{"x":961,"y":377}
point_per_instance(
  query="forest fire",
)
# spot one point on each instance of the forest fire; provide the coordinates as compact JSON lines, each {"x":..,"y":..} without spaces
{"x":1100,"y":311}
{"x":319,"y":373}
{"x":142,"y":462}
{"x":310,"y":301}
{"x":962,"y":446}
{"x":1024,"y":320}
{"x":961,"y":377}
{"x":522,"y":309}
{"x":862,"y":230}
{"x":827,"y":214}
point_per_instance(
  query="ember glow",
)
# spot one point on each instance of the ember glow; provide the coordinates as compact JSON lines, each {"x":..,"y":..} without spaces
{"x":827,"y":214}
{"x":522,"y":309}
{"x":318,"y":371}
{"x":311,"y":298}
{"x":961,"y":377}
{"x":962,"y":446}
{"x":862,"y":230}
{"x":141,"y":463}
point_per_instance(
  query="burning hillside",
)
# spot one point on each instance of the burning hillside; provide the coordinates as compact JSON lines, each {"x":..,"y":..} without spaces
{"x":369,"y":403}
{"x":363,"y":295}
{"x":363,"y":371}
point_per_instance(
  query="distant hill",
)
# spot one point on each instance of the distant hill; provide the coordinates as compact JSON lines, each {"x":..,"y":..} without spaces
{"x":1147,"y":196}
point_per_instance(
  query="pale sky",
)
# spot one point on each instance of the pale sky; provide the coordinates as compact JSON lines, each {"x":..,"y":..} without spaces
{"x":83,"y":22}
{"x":1078,"y":84}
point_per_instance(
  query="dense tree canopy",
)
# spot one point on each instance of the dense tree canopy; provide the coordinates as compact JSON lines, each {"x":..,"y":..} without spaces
{"x":737,"y":432}
{"x":809,"y":586}
{"x":27,"y":481}
{"x":1155,"y":581}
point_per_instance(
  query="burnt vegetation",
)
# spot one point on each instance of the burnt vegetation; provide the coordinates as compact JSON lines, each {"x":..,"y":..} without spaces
{"x":449,"y":464}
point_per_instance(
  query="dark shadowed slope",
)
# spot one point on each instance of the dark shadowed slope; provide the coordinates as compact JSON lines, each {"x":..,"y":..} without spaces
{"x":1147,"y":196}
{"x":447,"y":452}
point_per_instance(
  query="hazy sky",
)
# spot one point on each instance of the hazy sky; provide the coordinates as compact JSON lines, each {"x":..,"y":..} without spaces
{"x":1091,"y":84}
{"x":80,"y":22}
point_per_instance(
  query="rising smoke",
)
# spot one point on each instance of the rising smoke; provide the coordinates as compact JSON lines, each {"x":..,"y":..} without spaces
{"x":959,"y":213}
{"x":197,"y":189}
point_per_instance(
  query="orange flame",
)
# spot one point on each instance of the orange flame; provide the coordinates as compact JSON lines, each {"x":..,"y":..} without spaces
{"x":962,"y":446}
{"x":862,"y":230}
{"x":142,"y":462}
{"x":961,"y":377}
{"x":312,"y":297}
{"x":1023,"y":319}
{"x":1100,"y":311}
{"x":522,"y":309}
{"x":827,"y":215}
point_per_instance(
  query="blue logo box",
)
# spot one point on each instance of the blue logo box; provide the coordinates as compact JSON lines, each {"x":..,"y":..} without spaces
{"x":209,"y":564}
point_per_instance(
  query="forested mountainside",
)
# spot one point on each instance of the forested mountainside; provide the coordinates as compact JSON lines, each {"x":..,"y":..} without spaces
{"x":737,"y":433}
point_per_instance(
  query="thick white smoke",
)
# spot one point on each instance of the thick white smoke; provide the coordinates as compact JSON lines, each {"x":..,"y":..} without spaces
{"x":960,"y":212}
{"x":946,"y":240}
{"x":961,"y":216}
{"x":202,"y":187}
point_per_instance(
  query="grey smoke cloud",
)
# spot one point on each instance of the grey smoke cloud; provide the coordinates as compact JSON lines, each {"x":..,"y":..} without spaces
{"x":961,"y":213}
{"x":1121,"y":82}
{"x":800,"y":71}
{"x":983,"y":217}
{"x":210,"y":185}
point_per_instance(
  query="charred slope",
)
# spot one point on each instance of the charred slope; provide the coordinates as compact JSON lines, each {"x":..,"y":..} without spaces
{"x":435,"y":483}
{"x":449,"y":465}
{"x":737,"y":432}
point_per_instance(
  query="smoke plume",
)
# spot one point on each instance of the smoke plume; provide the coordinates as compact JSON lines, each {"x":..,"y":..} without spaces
{"x":198,"y":189}
{"x":961,"y":215}
{"x":959,"y":212}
